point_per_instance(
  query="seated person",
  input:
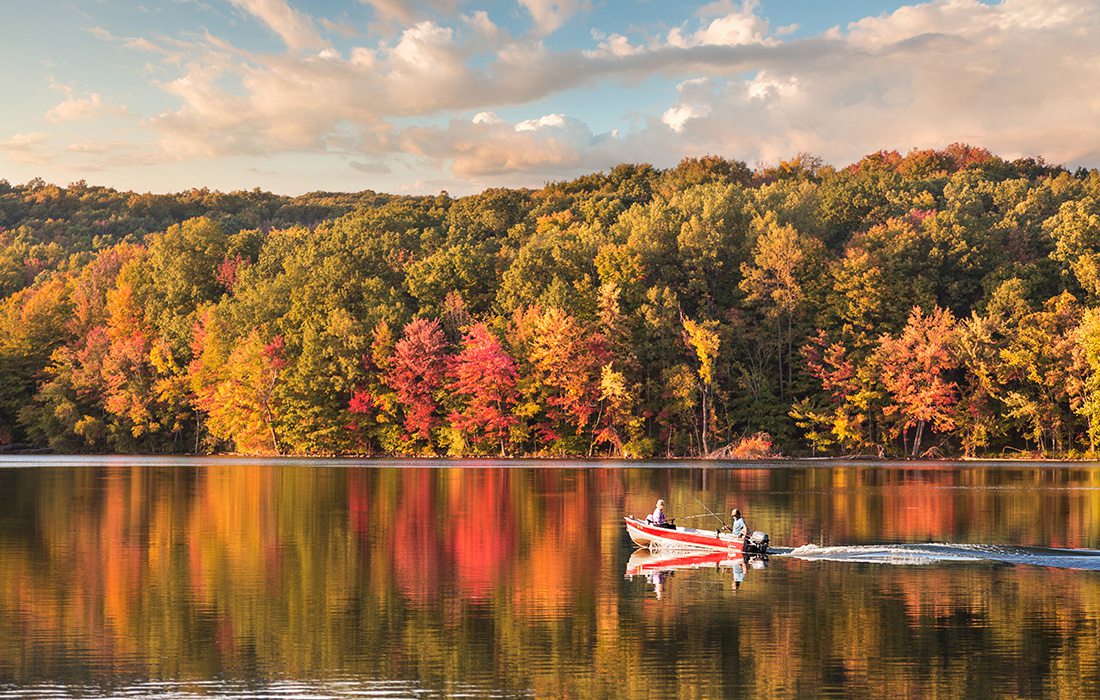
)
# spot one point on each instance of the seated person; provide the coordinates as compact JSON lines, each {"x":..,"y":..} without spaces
{"x":740,"y":530}
{"x":657,"y":517}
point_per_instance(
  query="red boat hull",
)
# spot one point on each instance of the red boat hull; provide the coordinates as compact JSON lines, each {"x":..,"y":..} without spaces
{"x":645,"y":535}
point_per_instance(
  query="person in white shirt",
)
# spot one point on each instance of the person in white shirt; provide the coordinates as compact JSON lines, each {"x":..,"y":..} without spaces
{"x":657,"y":517}
{"x":740,"y":530}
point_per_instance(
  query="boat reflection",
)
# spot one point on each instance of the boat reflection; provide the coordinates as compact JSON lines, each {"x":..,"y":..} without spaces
{"x":657,"y":566}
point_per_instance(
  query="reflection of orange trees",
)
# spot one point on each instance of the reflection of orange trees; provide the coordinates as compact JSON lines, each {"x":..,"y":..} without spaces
{"x":955,"y":615}
{"x":416,"y":538}
{"x":876,"y":505}
{"x":558,"y":551}
{"x":514,"y":577}
{"x":272,"y":562}
{"x":95,"y":583}
{"x":923,"y":507}
{"x":482,"y":540}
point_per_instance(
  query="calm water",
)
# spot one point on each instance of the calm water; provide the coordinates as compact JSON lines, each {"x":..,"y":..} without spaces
{"x":175,"y":578}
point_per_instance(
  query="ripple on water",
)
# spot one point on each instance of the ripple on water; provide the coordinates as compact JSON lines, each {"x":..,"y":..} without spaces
{"x":935,"y":553}
{"x":298,"y":689}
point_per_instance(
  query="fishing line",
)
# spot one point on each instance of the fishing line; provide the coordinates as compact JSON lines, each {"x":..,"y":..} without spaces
{"x":708,"y":510}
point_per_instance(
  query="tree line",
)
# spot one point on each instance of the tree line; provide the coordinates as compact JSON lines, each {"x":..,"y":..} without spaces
{"x":938,"y":303}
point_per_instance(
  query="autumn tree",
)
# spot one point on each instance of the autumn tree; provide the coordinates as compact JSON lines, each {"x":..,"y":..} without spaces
{"x":1036,"y":369}
{"x":977,"y":347}
{"x":1085,"y":378}
{"x":847,"y":412}
{"x":373,"y":404}
{"x":617,"y":423}
{"x":564,"y":357}
{"x":1076,"y":233}
{"x":916,"y":369}
{"x":704,"y":342}
{"x":240,"y":396}
{"x":482,"y":379}
{"x":416,"y":372}
{"x":777,"y":279}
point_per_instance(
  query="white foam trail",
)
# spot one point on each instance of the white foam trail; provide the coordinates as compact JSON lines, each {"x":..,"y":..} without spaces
{"x":938,"y":552}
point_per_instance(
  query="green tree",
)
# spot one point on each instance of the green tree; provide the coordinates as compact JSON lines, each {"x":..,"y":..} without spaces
{"x":703,"y":340}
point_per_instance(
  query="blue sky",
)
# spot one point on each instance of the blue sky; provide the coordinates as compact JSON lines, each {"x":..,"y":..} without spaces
{"x":424,"y":95}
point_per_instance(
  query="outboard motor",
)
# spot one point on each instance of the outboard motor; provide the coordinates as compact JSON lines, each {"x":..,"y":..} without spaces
{"x":756,"y":543}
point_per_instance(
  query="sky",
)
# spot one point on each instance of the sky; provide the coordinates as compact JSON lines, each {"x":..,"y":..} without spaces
{"x":419,"y":96}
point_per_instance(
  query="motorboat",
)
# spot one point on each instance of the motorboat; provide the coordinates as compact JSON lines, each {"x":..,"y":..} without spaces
{"x":661,"y":537}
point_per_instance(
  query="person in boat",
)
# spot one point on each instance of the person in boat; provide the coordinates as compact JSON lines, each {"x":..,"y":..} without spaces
{"x":739,"y":529}
{"x":657,"y":517}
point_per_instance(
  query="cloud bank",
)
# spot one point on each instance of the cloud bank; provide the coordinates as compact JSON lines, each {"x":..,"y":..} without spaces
{"x":425,"y":82}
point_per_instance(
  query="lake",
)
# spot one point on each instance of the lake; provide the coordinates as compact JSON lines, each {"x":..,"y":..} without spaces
{"x":177,"y":577}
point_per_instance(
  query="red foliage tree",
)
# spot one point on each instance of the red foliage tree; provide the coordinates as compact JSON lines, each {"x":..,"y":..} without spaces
{"x":229,"y":270}
{"x":829,"y":363}
{"x":416,"y":371}
{"x":483,"y":377}
{"x":915,"y":367}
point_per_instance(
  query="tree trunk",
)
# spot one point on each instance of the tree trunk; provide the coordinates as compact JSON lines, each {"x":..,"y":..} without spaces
{"x":917,"y":438}
{"x":269,"y":417}
{"x":703,"y":438}
{"x":271,"y":429}
{"x":779,"y":352}
{"x":790,"y":340}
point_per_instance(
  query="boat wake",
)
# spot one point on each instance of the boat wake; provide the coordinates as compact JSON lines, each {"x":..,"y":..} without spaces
{"x":937,"y":553}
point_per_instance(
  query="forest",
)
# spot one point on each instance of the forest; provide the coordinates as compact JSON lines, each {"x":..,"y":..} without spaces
{"x":932,"y":304}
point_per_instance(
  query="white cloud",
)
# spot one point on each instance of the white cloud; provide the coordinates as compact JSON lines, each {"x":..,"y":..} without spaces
{"x":678,"y":115}
{"x":549,"y":15}
{"x":409,"y":11}
{"x":720,"y":24}
{"x":426,"y":48}
{"x":764,"y":87}
{"x":78,"y":107}
{"x":615,"y":45}
{"x":1013,"y":77}
{"x":549,"y":121}
{"x":486,"y":118}
{"x":694,"y":97}
{"x":1020,"y":77}
{"x":483,"y":27}
{"x":731,"y":26}
{"x":75,"y":108}
{"x":26,"y":147}
{"x":294,"y":28}
{"x":488,"y":150}
{"x":142,"y":44}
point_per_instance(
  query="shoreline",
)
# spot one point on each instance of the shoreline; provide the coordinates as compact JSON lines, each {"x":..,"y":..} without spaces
{"x":122,"y":460}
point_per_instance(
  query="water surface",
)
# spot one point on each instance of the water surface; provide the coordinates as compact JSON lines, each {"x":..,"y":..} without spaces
{"x":174,"y":577}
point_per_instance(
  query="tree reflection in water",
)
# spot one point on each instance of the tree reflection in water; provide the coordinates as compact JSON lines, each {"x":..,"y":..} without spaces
{"x":511,"y":580}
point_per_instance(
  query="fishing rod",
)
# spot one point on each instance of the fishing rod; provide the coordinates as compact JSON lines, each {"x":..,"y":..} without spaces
{"x":708,"y":510}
